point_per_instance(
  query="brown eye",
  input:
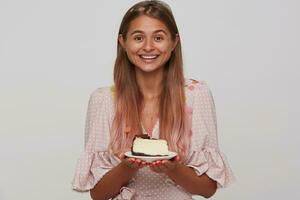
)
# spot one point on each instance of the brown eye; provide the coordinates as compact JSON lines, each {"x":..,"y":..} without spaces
{"x":138,"y":38}
{"x":158,"y":38}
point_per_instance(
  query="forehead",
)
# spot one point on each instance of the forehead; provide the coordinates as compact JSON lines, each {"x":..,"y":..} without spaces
{"x":147,"y":24}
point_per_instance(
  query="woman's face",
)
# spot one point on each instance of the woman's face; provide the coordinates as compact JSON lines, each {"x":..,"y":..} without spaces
{"x":148,"y":43}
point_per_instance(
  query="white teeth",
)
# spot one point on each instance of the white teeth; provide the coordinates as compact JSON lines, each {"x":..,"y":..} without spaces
{"x":149,"y":57}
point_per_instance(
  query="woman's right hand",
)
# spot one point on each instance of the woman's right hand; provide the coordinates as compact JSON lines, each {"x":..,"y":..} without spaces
{"x":132,"y":163}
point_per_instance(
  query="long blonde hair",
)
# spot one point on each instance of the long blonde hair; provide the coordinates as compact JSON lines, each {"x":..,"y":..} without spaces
{"x":128,"y":98}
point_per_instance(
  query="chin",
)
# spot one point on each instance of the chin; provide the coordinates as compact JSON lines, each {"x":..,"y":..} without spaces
{"x":148,"y":68}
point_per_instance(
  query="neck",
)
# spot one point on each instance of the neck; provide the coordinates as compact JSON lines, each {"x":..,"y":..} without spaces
{"x":150,"y":83}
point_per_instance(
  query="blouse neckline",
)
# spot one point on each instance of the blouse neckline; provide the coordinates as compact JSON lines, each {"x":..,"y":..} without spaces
{"x":154,"y":133}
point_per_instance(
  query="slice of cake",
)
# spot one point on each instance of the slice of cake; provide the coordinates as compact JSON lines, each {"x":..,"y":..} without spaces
{"x":143,"y":145}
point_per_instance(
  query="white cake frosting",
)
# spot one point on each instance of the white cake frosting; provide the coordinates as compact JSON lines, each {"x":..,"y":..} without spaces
{"x":150,"y":147}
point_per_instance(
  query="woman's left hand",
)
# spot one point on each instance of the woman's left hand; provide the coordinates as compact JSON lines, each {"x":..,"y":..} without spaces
{"x":164,"y":166}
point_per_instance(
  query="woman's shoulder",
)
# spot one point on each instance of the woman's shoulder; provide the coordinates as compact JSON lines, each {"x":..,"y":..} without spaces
{"x":193,"y":86}
{"x":102,"y":93}
{"x":196,"y":91}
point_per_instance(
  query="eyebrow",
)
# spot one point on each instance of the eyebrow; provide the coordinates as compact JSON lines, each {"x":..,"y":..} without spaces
{"x":157,"y":31}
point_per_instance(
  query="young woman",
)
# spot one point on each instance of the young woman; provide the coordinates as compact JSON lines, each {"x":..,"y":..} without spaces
{"x":151,"y":96}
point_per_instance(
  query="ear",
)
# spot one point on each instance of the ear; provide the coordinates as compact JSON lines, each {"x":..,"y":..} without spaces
{"x":121,"y":41}
{"x":176,"y":41}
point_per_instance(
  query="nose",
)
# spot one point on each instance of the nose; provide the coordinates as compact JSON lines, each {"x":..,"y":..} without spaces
{"x":148,"y":45}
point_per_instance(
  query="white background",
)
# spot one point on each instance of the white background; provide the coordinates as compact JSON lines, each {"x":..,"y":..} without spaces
{"x":53,"y":54}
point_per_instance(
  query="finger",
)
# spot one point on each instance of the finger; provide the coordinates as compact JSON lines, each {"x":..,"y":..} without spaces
{"x":137,"y":162}
{"x":140,"y":163}
{"x":158,"y":162}
{"x":162,"y":166}
{"x":154,"y":165}
{"x":122,"y":156}
{"x":176,"y":158}
{"x":151,"y":164}
{"x":130,"y":162}
{"x":169,"y":165}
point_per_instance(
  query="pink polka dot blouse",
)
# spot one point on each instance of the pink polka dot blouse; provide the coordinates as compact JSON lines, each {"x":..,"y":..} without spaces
{"x":204,"y":154}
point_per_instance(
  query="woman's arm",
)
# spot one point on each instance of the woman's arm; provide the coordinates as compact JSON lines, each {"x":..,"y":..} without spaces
{"x":186,"y":177}
{"x":110,"y":184}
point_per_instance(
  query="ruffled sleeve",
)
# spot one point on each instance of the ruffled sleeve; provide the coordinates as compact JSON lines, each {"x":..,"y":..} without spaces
{"x":95,"y":161}
{"x":205,"y":155}
{"x":91,"y":167}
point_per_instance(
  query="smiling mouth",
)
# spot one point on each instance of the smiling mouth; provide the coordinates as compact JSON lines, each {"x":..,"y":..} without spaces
{"x":148,"y":57}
